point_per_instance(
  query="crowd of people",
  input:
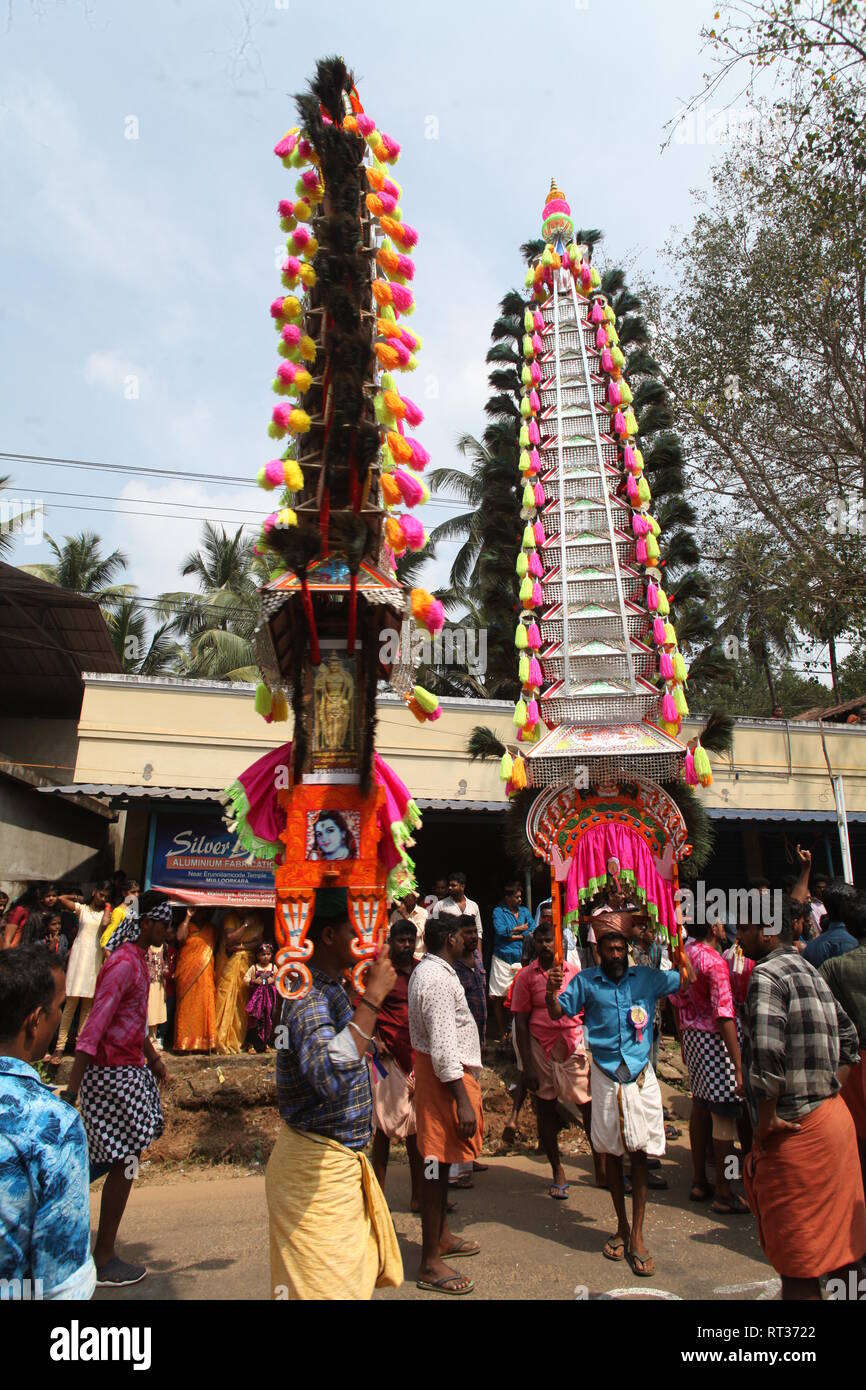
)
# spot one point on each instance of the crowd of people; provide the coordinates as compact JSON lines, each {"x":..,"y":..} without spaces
{"x":212,"y":982}
{"x":770,"y":1012}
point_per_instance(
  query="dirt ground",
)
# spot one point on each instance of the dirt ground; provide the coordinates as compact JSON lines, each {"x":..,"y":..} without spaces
{"x":221,"y":1112}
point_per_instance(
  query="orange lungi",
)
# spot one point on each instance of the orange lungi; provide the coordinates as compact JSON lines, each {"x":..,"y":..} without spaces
{"x":806,"y":1192}
{"x":854,"y":1095}
{"x":436,"y":1115}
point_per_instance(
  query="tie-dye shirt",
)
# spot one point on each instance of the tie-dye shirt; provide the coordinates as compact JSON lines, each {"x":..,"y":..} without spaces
{"x":44,"y":1191}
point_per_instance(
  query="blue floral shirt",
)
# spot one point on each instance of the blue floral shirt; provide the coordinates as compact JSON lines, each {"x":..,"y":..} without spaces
{"x":44,"y":1191}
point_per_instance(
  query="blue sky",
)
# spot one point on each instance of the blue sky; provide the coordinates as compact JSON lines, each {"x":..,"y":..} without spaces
{"x":144,"y":266}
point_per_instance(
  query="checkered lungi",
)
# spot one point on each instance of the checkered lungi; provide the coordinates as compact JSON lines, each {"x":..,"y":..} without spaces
{"x":711,"y":1072}
{"x":121,"y":1110}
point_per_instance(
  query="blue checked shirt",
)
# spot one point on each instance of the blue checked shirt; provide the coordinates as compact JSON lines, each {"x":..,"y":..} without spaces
{"x":44,"y":1189}
{"x":322,"y":1087}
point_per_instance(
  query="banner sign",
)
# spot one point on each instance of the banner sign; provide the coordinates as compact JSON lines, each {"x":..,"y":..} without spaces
{"x":198,"y":861}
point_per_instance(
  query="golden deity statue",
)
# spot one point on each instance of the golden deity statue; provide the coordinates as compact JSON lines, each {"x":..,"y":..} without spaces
{"x":334,"y":699}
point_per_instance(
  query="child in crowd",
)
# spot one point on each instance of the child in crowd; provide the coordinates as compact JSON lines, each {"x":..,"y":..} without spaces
{"x":54,"y":937}
{"x":156,"y":1010}
{"x":262,"y":1003}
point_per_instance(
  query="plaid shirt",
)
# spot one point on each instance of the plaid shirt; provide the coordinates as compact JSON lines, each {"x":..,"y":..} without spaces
{"x":795,"y":1036}
{"x":316,"y":1090}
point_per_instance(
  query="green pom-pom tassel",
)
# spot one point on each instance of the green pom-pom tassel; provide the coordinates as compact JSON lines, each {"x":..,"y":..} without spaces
{"x":521,"y":641}
{"x":264,"y":699}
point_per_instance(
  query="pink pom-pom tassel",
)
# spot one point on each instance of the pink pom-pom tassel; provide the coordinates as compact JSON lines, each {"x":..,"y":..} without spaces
{"x":413,"y":416}
{"x":534,"y":402}
{"x":535,"y":676}
{"x":534,"y":460}
{"x":435,"y":618}
{"x":533,"y":636}
{"x":601,"y":337}
{"x":640,"y":552}
{"x":692,"y":778}
{"x":606,"y":361}
{"x":291,"y":335}
{"x":537,"y":597}
{"x":652,"y":598}
{"x":631,"y":490}
{"x":614,"y":395}
{"x":540,"y":534}
{"x":287,"y":371}
{"x":535,"y":567}
{"x":420,"y":456}
{"x":539,"y":494}
{"x":366,"y":125}
{"x":536,"y":344}
{"x":666,"y":668}
{"x":538,"y":321}
{"x":585,"y":275}
{"x":535,"y":373}
{"x":597,"y":312}
{"x":403,"y":299}
{"x":659,"y":634}
{"x":531,"y":714}
{"x":413,"y":532}
{"x":535,"y":436}
{"x":669,"y":710}
{"x":410,"y":489}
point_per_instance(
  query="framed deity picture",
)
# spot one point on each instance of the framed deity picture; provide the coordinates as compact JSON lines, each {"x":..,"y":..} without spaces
{"x":333,"y":712}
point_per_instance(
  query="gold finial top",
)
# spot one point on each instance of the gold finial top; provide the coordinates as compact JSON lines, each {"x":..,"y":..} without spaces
{"x":555,"y":191}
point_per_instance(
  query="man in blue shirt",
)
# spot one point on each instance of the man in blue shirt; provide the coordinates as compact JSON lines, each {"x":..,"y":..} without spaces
{"x":835,"y":938}
{"x":44,"y":1168}
{"x":618,"y":1002}
{"x":511,"y":923}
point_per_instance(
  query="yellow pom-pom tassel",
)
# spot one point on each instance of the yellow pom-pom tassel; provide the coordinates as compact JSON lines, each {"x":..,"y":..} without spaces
{"x":292,"y":475}
{"x":279,"y":707}
{"x":307,"y":349}
{"x":299,"y":422}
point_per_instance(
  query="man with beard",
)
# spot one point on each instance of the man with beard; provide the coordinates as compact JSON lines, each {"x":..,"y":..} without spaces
{"x":618,"y":1002}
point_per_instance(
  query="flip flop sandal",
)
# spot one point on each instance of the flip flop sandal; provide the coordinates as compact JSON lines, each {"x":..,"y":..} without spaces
{"x":559,"y":1191}
{"x":639,"y":1265}
{"x":657,"y":1181}
{"x":463,"y":1250}
{"x":671,"y":1132}
{"x":480,"y":1167}
{"x":465,"y":1180}
{"x":703,"y":1193}
{"x":616,"y":1244}
{"x":438,"y":1285}
{"x":736,"y":1206}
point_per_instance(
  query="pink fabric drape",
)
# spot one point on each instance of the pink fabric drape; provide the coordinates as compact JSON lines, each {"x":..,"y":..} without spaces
{"x":267,"y":819}
{"x":589,"y":867}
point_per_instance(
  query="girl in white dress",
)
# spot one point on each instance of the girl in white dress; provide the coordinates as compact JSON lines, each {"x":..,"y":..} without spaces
{"x":84,"y":961}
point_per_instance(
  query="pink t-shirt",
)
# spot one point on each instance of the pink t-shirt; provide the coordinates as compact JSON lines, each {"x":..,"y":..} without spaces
{"x":528,"y":997}
{"x":116,"y":1027}
{"x":709,"y":998}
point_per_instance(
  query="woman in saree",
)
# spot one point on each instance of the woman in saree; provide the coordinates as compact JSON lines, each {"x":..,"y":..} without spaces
{"x":242,"y":934}
{"x":195,"y":1017}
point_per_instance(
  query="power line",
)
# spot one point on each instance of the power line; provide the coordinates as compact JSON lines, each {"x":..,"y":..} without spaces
{"x":171,"y":475}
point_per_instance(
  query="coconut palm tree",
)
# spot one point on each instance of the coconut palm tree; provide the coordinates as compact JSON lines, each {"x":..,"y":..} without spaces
{"x":218,"y":621}
{"x":140,"y":654}
{"x":79,"y":565}
{"x":754,"y":606}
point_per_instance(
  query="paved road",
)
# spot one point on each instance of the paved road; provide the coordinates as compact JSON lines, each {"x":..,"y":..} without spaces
{"x":206,"y":1239}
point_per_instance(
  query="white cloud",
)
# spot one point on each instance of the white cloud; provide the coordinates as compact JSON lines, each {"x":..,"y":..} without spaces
{"x":117,"y":374}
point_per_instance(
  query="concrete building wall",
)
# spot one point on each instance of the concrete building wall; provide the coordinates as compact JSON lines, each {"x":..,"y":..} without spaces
{"x":49,"y":747}
{"x":44,"y":838}
{"x":174,"y":733}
